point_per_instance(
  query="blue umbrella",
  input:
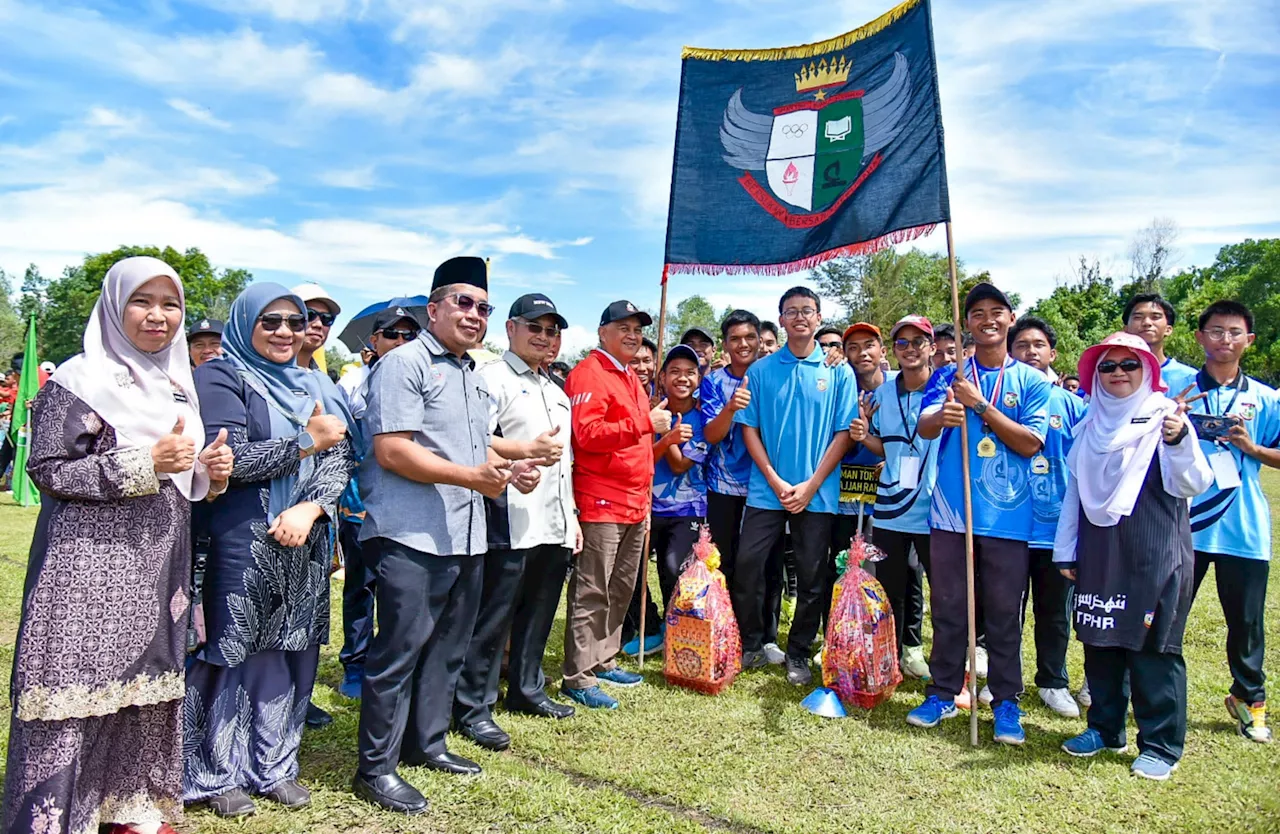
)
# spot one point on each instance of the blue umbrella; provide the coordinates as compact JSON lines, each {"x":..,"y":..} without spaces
{"x":358,"y":330}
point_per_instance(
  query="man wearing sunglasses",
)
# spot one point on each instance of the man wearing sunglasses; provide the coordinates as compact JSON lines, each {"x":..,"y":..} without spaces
{"x":531,"y":536}
{"x":423,"y":489}
{"x":322,"y":310}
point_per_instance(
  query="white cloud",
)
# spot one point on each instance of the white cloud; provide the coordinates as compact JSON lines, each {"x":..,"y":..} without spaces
{"x":344,"y":91}
{"x":301,"y":11}
{"x":574,"y":338}
{"x":102,"y":117}
{"x":363,"y":178}
{"x":197,"y":113}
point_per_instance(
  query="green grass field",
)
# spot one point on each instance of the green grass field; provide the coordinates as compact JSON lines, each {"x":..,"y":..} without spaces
{"x":752,"y":760}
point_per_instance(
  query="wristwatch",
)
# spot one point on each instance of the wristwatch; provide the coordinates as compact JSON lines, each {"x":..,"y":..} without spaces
{"x":306,"y":443}
{"x":980,"y":407}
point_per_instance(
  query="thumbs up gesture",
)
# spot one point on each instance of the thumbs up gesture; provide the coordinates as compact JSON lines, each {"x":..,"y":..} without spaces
{"x":218,"y":458}
{"x":952,"y":411}
{"x":741,"y":396}
{"x":546,"y":447}
{"x":682,"y":431}
{"x":175,"y":452}
{"x":661,"y":418}
{"x":861,"y":424}
{"x":327,"y":430}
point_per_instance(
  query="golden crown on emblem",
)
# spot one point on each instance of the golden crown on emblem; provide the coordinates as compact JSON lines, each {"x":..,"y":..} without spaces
{"x":822,"y":75}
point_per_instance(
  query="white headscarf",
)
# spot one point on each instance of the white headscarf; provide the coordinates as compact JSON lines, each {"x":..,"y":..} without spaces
{"x":1113,"y":448}
{"x":133,"y":391}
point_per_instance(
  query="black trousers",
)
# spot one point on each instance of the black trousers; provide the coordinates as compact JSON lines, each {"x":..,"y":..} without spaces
{"x":357,"y":597}
{"x":1242,"y":592}
{"x":896,"y":574}
{"x":1003,"y":564}
{"x":1050,"y":594}
{"x":761,"y":532}
{"x":426,"y":608}
{"x":724,"y":518}
{"x":545,"y":569}
{"x":913,"y":634}
{"x":7,"y":453}
{"x":779,"y":581}
{"x":672,"y":539}
{"x":1159,"y":695}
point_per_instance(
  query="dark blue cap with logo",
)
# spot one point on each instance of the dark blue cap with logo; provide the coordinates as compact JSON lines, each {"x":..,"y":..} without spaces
{"x":533,"y":306}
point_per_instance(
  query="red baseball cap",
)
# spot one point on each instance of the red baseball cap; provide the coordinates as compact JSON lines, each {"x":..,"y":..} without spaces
{"x":918,"y":322}
{"x":861,"y":326}
{"x":1089,"y":360}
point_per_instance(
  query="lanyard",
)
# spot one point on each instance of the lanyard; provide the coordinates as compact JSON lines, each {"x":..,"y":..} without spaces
{"x":1234,"y":384}
{"x":911,"y":438}
{"x":994,"y":399}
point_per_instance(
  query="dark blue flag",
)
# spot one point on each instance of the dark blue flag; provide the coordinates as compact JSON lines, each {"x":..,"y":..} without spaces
{"x":788,"y":157}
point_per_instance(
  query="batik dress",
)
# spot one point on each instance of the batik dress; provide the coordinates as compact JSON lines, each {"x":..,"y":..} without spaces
{"x":97,"y":685}
{"x":265,"y":606}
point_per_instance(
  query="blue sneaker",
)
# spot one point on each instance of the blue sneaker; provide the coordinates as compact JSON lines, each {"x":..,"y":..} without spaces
{"x":652,"y":644}
{"x":620,"y":677}
{"x":592,"y":698}
{"x":1009,"y":723}
{"x":1089,"y":743}
{"x":352,"y":682}
{"x":1151,"y":766}
{"x":933,"y":710}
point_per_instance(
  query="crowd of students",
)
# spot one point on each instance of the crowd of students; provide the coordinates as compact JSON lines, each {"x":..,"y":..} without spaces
{"x":179,"y":581}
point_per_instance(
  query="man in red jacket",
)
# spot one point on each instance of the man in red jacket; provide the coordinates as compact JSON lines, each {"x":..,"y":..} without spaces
{"x":613,"y":431}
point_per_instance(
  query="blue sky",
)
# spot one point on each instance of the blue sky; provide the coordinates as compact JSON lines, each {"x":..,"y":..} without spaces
{"x":358,"y":144}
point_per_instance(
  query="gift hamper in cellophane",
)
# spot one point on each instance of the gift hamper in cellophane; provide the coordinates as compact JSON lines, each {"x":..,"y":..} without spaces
{"x":860,"y":661}
{"x":702,"y":648}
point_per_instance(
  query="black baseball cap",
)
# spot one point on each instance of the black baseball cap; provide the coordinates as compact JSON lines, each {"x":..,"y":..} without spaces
{"x":213,"y":326}
{"x":533,"y":306}
{"x":983,"y":291}
{"x":619,"y":310}
{"x":701,"y":331}
{"x":391,"y":315}
{"x":681,"y":351}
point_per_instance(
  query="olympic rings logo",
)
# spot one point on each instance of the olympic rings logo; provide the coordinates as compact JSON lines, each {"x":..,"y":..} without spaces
{"x":796,"y":130}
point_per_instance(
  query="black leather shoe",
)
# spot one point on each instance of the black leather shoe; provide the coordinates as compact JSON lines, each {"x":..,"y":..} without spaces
{"x":390,"y":792}
{"x":487,"y":734}
{"x":317,"y":718}
{"x":543,"y":709}
{"x":449,"y":763}
{"x":233,"y":803}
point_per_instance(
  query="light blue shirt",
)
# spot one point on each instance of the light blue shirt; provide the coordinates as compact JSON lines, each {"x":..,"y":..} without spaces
{"x":1049,"y":468}
{"x":1177,"y":376}
{"x":728,"y":462}
{"x":897,"y":416}
{"x":798,"y":405}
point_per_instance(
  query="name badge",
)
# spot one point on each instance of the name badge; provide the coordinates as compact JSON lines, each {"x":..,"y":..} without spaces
{"x":1225,"y":474}
{"x":986,"y":448}
{"x":909,"y":471}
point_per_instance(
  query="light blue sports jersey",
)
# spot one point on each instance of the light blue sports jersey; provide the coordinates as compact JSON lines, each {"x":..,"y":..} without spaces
{"x":728,"y":462}
{"x":1001,"y":489}
{"x":1177,"y":376}
{"x":1049,"y":468}
{"x":858,"y":471}
{"x":682,"y":495}
{"x":1236,"y":521}
{"x":798,"y":405}
{"x":898,"y":414}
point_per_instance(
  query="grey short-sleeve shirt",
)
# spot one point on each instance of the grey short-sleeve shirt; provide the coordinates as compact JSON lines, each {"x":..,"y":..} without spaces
{"x":423,"y":388}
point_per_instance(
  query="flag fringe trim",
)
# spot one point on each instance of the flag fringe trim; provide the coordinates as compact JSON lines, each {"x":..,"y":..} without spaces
{"x":809,"y":50}
{"x":868,"y":247}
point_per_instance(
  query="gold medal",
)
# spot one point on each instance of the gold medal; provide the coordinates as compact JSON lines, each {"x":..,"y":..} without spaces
{"x":986,"y":448}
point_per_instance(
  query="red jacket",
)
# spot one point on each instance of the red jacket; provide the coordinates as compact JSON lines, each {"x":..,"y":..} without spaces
{"x":612,"y":441}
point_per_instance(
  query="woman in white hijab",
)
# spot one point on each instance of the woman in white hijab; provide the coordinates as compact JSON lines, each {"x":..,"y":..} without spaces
{"x":1124,"y":537}
{"x":96,"y":733}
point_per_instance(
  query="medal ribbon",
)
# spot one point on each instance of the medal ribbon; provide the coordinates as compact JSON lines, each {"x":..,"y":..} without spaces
{"x":994,"y":399}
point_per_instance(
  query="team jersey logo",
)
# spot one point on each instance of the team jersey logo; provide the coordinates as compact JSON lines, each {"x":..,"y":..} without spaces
{"x":1148,"y":618}
{"x":1055,"y":421}
{"x":822,"y":383}
{"x":1010,"y":399}
{"x":1248,"y":411}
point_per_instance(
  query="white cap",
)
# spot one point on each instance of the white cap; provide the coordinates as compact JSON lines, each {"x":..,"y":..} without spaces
{"x":315,"y":292}
{"x":48,"y":367}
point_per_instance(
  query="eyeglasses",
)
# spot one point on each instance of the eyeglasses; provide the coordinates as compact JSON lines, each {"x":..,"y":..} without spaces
{"x":271,"y":322}
{"x":1219,"y":334}
{"x":1127,"y":365}
{"x":466,"y":304}
{"x":918,"y":343}
{"x":794,"y":313}
{"x":828,"y":345}
{"x":392,"y":333}
{"x":325,"y":318}
{"x":552,"y":330}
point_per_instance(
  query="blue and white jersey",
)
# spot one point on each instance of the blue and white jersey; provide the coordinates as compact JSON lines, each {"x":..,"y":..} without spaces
{"x":1001,"y":477}
{"x":1177,"y":376}
{"x":682,"y":495}
{"x":1236,"y":521}
{"x":859,"y":471}
{"x":899,"y":508}
{"x":1049,"y":467}
{"x":728,"y":462}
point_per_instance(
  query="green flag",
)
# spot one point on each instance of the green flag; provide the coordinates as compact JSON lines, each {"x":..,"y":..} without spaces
{"x":24,"y":492}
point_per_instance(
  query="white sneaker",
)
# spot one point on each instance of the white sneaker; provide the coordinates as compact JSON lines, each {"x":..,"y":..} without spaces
{"x":817,"y":658}
{"x":774,"y":655}
{"x":1061,"y":702}
{"x":982,"y":664}
{"x":913,"y":663}
{"x":985,"y":695}
{"x":1083,"y":696}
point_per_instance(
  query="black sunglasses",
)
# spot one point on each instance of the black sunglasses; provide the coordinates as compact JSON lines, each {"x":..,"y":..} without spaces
{"x":1127,"y":365}
{"x":271,"y":322}
{"x":325,"y":318}
{"x":552,"y":330}
{"x":466,"y":303}
{"x":917,"y":343}
{"x":392,"y":333}
{"x":828,"y":345}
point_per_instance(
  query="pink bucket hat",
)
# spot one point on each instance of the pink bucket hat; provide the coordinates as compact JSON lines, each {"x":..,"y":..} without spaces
{"x":1092,"y":356}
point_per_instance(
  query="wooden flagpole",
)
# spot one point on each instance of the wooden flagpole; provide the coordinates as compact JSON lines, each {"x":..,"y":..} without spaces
{"x":648,"y":522}
{"x":971,"y":679}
